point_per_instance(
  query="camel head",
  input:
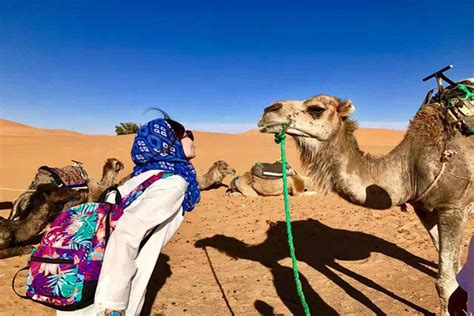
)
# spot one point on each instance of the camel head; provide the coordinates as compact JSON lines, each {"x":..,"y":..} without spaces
{"x":224,"y":168}
{"x":114,"y":165}
{"x":319,"y":117}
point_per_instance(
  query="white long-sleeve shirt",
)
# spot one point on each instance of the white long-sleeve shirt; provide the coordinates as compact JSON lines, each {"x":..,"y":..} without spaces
{"x":125,"y":271}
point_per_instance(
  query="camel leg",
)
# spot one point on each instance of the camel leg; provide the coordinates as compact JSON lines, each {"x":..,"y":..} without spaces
{"x":451,"y":224}
{"x":457,"y":263}
{"x":247,"y":190}
{"x":19,"y":206}
{"x":429,"y":219}
{"x":17,"y":251}
{"x":296,"y":186}
{"x":244,"y":186}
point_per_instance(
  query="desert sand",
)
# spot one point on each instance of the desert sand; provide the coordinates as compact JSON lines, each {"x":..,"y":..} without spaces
{"x":352,"y":260}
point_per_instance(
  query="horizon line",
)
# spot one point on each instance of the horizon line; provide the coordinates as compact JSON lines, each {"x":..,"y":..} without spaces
{"x":224,"y":128}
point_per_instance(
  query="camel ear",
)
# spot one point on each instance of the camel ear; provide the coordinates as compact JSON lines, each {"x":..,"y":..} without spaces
{"x":345,"y":108}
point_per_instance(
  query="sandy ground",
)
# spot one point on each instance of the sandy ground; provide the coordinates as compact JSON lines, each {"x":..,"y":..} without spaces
{"x":231,"y":255}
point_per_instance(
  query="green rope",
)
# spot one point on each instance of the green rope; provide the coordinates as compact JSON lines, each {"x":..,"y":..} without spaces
{"x":280,"y":139}
{"x":469,"y":94}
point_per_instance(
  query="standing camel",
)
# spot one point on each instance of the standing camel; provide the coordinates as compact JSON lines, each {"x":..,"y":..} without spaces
{"x":431,"y":169}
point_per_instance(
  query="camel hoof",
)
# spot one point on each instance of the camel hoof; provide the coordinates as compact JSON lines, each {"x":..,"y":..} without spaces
{"x":234,"y":194}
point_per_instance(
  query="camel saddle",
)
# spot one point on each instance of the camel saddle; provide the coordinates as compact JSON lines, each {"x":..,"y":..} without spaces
{"x":458,"y":100}
{"x":73,"y":176}
{"x":271,"y":171}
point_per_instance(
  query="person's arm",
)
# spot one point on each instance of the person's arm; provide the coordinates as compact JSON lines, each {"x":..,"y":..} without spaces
{"x":158,"y":203}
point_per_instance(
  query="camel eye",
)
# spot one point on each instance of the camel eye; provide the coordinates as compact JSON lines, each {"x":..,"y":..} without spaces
{"x":316,"y":110}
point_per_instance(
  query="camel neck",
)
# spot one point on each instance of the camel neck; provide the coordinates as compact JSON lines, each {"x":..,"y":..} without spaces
{"x":374,"y":182}
{"x":216,"y":174}
{"x":108,"y":177}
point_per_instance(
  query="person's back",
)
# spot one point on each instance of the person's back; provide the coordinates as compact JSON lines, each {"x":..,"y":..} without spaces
{"x":161,"y":145}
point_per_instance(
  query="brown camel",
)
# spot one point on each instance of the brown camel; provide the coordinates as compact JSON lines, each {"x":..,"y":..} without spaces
{"x":214,"y":176}
{"x":251,"y":185}
{"x":325,"y":138}
{"x":45,"y":204}
{"x":111,"y":170}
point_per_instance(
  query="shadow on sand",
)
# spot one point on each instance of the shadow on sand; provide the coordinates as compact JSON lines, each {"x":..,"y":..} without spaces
{"x":161,"y":272}
{"x":319,"y":246}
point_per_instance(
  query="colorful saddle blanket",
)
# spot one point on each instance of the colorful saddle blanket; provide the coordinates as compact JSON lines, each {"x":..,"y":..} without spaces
{"x":73,"y":176}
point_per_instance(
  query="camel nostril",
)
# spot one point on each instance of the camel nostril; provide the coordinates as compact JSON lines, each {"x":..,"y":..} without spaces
{"x":273,"y":107}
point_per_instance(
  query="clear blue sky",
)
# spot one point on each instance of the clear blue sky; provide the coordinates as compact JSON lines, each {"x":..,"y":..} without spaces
{"x":87,"y":65}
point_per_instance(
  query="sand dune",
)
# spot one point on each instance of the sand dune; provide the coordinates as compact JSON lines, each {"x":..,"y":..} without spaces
{"x":353,"y":260}
{"x":25,"y":148}
{"x":17,"y":129}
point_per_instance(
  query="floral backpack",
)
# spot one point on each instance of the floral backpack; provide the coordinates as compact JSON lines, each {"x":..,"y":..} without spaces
{"x":76,"y":242}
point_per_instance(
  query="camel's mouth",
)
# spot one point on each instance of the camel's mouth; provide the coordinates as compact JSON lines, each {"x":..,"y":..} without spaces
{"x":277,"y":127}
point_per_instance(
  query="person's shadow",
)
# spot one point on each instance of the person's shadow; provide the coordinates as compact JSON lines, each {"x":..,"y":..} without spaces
{"x":158,"y":278}
{"x":319,"y":246}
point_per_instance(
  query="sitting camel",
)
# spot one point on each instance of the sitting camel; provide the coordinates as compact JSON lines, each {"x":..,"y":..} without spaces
{"x":110,"y":171}
{"x":45,"y":204}
{"x":432,"y":168}
{"x":94,"y":189}
{"x":213,"y":178}
{"x":249,"y":184}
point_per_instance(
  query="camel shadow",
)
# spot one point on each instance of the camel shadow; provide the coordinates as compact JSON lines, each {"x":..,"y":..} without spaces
{"x":320,"y":247}
{"x":161,"y":272}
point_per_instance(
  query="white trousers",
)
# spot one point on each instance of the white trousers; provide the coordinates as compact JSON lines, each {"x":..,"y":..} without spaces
{"x":125,"y":271}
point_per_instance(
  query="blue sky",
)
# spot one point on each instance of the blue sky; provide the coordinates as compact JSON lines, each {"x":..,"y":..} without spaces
{"x":87,"y":65}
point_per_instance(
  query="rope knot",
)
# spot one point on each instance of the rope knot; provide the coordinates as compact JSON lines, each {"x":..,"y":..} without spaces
{"x":279,"y":137}
{"x":448,"y":154}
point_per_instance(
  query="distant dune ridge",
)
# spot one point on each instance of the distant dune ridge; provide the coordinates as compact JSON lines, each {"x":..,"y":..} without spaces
{"x":24,"y":148}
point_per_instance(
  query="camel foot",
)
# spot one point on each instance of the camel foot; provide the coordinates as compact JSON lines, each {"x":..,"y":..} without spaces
{"x":235,"y":194}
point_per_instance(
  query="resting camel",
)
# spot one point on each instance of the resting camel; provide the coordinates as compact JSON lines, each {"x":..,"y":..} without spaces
{"x":111,"y":169}
{"x":110,"y":172}
{"x":214,"y":176}
{"x":45,"y":204}
{"x":250,"y":185}
{"x":430,"y":149}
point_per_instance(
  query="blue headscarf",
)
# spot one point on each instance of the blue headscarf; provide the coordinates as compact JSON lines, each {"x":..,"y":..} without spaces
{"x":156,"y":147}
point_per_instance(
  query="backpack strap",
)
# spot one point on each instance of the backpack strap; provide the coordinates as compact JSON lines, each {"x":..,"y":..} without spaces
{"x":132,"y":196}
{"x":13,"y":283}
{"x":114,"y":188}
